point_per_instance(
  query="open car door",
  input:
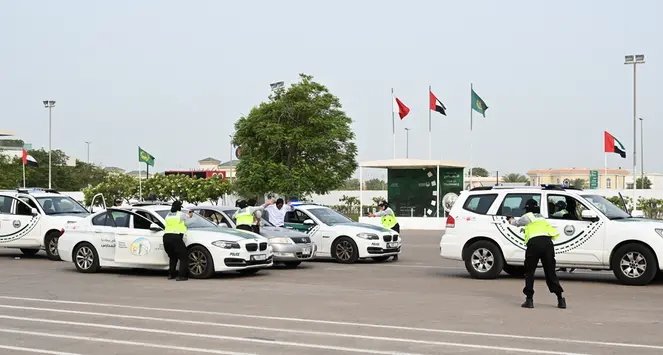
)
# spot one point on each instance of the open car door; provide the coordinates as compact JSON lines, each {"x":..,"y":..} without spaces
{"x":138,"y":240}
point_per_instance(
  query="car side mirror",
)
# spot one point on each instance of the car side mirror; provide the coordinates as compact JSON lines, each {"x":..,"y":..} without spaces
{"x":309,"y":222}
{"x":589,"y":215}
{"x":34,"y":211}
{"x":223,"y":225}
{"x":155,"y":227}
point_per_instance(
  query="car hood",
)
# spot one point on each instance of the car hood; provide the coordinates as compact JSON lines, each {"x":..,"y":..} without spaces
{"x":639,"y":220}
{"x":364,"y":227}
{"x":219,"y":233}
{"x":272,"y":232}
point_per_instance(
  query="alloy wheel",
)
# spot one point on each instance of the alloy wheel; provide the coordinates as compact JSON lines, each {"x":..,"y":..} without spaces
{"x":482,"y":260}
{"x":84,"y":258}
{"x":633,"y":264}
{"x":53,"y":246}
{"x":344,"y":250}
{"x":197,"y":262}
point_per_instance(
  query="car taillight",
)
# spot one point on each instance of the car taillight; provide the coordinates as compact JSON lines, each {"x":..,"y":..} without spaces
{"x":451,"y":222}
{"x":62,"y":231}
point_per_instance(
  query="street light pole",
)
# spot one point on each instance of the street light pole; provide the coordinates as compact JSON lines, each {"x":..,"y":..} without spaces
{"x":88,"y":151}
{"x":407,"y":142}
{"x":634,"y":60}
{"x":49,"y":104}
{"x":642,"y":153}
{"x":231,"y":154}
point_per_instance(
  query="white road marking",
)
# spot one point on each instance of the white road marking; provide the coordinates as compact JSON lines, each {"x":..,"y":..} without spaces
{"x":285,"y":330}
{"x":219,"y":337}
{"x":32,"y":350}
{"x":352,"y":324}
{"x":121,"y":342}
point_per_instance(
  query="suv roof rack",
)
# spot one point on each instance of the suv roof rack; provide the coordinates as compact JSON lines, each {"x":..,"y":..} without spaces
{"x":36,"y":189}
{"x":542,"y":187}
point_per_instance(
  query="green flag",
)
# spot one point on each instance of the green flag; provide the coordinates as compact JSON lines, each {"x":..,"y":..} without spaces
{"x":478,"y":105}
{"x":145,"y":157}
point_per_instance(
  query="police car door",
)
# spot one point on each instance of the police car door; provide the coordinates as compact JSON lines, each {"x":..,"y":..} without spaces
{"x":580,"y":242}
{"x":18,"y":226}
{"x":135,"y":242}
{"x":512,"y":238}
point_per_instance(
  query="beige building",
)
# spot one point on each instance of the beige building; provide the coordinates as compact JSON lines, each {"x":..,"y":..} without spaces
{"x":228,"y":168}
{"x":614,"y":179}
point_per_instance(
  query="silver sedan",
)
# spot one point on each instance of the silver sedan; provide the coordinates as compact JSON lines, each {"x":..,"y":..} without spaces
{"x":290,"y":247}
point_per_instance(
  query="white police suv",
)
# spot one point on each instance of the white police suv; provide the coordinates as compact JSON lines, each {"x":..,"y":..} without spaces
{"x":33,"y":219}
{"x":594,"y":233}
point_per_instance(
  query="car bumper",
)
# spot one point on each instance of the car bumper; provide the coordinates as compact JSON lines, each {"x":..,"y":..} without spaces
{"x":294,"y":252}
{"x":372,"y":249}
{"x":234,"y":259}
{"x":65,"y":249}
{"x":451,"y":247}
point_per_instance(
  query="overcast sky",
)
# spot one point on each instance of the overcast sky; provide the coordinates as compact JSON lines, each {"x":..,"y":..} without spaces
{"x":173,"y":76}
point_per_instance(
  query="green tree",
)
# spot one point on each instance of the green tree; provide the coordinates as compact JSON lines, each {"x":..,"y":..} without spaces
{"x":638,"y":183}
{"x":298,"y":143}
{"x":215,"y":188}
{"x":114,"y":186}
{"x":350,"y":184}
{"x":579,"y":183}
{"x":515,"y":178}
{"x":11,"y":175}
{"x":376,"y":185}
{"x":617,"y":201}
{"x":480,"y":172}
{"x":651,"y":207}
{"x":377,"y":199}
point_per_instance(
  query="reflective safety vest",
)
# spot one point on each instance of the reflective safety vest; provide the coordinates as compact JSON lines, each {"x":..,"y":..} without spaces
{"x":539,"y":227}
{"x":174,"y":223}
{"x":244,"y":217}
{"x":389,"y":220}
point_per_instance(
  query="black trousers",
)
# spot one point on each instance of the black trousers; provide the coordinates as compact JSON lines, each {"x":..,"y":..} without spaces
{"x":541,"y":248}
{"x":176,"y":250}
{"x":397,"y":228}
{"x":246,"y":227}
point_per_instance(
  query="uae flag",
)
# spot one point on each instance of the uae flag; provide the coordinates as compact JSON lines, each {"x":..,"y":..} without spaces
{"x":400,"y":107}
{"x":436,"y":105}
{"x":612,"y":145}
{"x":28,"y":159}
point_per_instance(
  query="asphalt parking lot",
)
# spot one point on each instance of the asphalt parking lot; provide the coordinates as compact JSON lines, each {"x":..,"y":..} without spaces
{"x":420,"y":304}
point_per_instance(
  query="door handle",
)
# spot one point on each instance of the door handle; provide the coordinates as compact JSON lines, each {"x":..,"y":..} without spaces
{"x":97,"y":230}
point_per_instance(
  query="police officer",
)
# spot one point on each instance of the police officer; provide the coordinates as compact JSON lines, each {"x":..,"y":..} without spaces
{"x":539,"y":236}
{"x":562,"y":213}
{"x":244,"y":216}
{"x":173,"y":241}
{"x":118,"y":202}
{"x":387,"y":218}
{"x":256,"y":216}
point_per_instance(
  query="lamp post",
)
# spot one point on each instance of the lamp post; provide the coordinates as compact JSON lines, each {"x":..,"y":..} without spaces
{"x":231,"y":154}
{"x":88,"y":151}
{"x":407,"y":142}
{"x":49,"y":104}
{"x":642,"y":153}
{"x":634,"y":60}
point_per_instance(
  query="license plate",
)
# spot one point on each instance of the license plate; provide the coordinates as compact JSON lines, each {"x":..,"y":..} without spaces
{"x":306,"y":251}
{"x":392,"y":245}
{"x":258,"y":257}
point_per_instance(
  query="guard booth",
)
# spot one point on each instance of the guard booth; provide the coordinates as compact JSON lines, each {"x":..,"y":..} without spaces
{"x":417,"y":190}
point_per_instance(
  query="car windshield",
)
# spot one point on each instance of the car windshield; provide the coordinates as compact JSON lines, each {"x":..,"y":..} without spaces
{"x":329,"y":216}
{"x":60,"y":205}
{"x":231,"y":211}
{"x":608,"y":208}
{"x":196,"y":221}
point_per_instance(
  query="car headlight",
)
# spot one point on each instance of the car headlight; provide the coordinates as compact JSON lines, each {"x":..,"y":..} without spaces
{"x":659,"y":231}
{"x":281,"y":240}
{"x":369,"y":236}
{"x":226,"y":244}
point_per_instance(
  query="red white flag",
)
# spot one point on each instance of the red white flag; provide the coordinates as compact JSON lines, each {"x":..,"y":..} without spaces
{"x":28,"y":159}
{"x":400,"y":107}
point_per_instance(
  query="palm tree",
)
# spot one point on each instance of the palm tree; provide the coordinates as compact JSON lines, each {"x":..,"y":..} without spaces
{"x":515,"y":177}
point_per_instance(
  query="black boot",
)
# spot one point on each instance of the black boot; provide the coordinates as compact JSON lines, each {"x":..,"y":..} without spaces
{"x":561,"y":302}
{"x":529,"y":303}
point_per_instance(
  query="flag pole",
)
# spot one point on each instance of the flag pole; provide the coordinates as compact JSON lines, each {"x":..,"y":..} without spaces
{"x":471,"y":90}
{"x":393,"y":121}
{"x":140,"y":183}
{"x":23,"y":175}
{"x":429,"y":125}
{"x":605,"y":171}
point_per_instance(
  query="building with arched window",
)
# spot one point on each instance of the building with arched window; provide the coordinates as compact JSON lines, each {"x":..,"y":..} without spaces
{"x":612,"y":179}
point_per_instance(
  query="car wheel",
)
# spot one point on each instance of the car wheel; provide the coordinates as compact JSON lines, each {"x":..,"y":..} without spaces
{"x":29,"y":252}
{"x":51,"y":244}
{"x":291,"y":264}
{"x":380,"y":259}
{"x":86,"y":258}
{"x":514,"y":270}
{"x":484,"y":260}
{"x":201,"y":265}
{"x":249,"y":271}
{"x":634,"y":264}
{"x":345,"y":250}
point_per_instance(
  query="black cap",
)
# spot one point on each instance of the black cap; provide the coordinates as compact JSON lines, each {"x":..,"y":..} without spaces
{"x":177,"y":206}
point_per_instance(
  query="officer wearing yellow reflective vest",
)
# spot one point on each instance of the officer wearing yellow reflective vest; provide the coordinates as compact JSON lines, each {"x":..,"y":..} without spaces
{"x":387,"y":218}
{"x":173,"y":242}
{"x":539,"y":236}
{"x":244,"y":216}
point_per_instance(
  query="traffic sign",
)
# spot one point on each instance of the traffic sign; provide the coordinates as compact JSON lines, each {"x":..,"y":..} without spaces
{"x":593,"y":179}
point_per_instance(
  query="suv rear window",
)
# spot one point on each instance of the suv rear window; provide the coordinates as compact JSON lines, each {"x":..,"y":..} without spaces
{"x":514,"y":204}
{"x":479,"y":203}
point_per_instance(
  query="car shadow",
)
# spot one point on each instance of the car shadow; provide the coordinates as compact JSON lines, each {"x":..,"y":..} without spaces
{"x":138,"y":272}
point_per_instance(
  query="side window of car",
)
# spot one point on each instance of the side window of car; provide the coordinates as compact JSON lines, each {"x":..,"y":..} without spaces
{"x":290,"y":217}
{"x":141,"y":222}
{"x":558,"y":207}
{"x":100,"y":220}
{"x":150,"y":218}
{"x":30,"y":202}
{"x":479,"y":203}
{"x":121,"y":218}
{"x":22,"y":208}
{"x":5,"y":204}
{"x":514,"y":204}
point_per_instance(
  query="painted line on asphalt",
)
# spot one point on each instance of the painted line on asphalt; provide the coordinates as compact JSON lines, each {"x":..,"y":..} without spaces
{"x":341,"y":323}
{"x":216,"y":337}
{"x":287,"y":330}
{"x":121,"y":342}
{"x":285,"y":343}
{"x":33,"y":350}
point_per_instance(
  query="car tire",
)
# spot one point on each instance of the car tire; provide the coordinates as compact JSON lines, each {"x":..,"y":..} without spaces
{"x":29,"y":252}
{"x":86,"y":258}
{"x":251,"y":271}
{"x":291,"y":264}
{"x":514,"y":270}
{"x":51,"y":245}
{"x":380,"y":259}
{"x":634,"y":264}
{"x":344,"y":250}
{"x":484,"y":260}
{"x":201,"y":264}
